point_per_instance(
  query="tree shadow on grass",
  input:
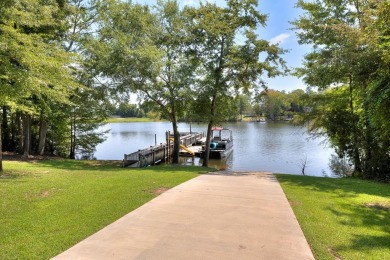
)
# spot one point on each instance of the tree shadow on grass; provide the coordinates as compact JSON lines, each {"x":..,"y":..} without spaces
{"x":341,"y":187}
{"x":8,"y":176}
{"x":371,"y":218}
{"x":82,"y":165}
{"x":100,"y":165}
{"x":367,"y":243}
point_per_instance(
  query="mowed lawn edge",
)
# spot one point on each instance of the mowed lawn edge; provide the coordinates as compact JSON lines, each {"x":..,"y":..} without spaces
{"x":341,"y":218}
{"x":48,"y":206}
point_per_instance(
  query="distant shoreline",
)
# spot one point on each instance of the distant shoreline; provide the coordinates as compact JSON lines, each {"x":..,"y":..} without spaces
{"x":131,"y":120}
{"x":145,"y":119}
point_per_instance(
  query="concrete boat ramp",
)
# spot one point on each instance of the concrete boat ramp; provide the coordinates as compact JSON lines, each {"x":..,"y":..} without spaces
{"x":213,"y":216}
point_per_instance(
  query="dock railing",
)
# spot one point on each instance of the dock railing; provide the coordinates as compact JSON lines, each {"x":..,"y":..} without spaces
{"x":158,"y":153}
{"x":188,"y":139}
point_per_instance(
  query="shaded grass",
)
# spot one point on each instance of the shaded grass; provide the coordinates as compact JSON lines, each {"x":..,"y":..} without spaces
{"x":341,"y":218}
{"x":130,"y":120}
{"x":48,"y":206}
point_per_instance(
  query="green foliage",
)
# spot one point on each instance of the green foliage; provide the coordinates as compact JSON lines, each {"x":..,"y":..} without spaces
{"x":59,"y":134}
{"x":244,"y":103}
{"x":341,"y":218}
{"x":295,"y":98}
{"x":273,"y":103}
{"x":330,"y":116}
{"x":34,"y":65}
{"x":49,"y":206}
{"x":226,"y":110}
{"x":379,"y":93}
{"x":87,"y":115}
{"x":42,"y":79}
{"x":123,"y":50}
{"x":129,"y":110}
{"x":349,"y":39}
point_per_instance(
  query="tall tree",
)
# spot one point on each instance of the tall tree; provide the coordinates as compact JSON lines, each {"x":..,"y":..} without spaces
{"x":274,"y":103}
{"x":346,"y":51}
{"x":88,"y":111}
{"x":146,"y":54}
{"x":226,"y":45}
{"x":243,"y":104}
{"x":90,"y":103}
{"x":296,"y":100}
{"x":171,"y":90}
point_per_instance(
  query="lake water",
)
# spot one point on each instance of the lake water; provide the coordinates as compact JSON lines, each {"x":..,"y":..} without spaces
{"x":272,"y":146}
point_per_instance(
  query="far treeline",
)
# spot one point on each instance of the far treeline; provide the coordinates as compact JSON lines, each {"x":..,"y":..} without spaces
{"x":269,"y":104}
{"x":65,"y":64}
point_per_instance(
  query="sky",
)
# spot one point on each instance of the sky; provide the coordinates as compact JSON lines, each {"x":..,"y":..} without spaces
{"x":279,"y":12}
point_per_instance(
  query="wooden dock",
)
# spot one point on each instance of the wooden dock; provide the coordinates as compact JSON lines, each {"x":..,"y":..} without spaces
{"x":162,"y":152}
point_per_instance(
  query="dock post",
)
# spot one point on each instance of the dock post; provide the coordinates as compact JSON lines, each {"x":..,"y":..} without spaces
{"x":140,"y":161}
{"x":169,"y":145}
{"x":154,"y":157}
{"x":164,"y":158}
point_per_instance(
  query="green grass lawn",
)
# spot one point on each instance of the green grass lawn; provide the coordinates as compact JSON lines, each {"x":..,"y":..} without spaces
{"x":48,"y":206}
{"x":130,"y":120}
{"x":341,"y":218}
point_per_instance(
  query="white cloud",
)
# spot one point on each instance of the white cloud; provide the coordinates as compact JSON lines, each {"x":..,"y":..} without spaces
{"x":197,"y":2}
{"x":189,"y":2}
{"x":280,"y":38}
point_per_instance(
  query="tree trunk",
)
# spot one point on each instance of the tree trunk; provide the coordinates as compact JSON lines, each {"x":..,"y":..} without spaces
{"x":1,"y":153}
{"x":176,"y":134}
{"x":218,"y":76}
{"x":19,"y":132}
{"x":72,"y":153}
{"x":176,"y":143}
{"x":14,"y":133}
{"x":206,"y":154}
{"x":42,"y":134}
{"x":5,"y":130}
{"x":26,"y":134}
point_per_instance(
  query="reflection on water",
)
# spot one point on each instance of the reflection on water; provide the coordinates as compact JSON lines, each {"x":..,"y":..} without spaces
{"x":274,"y":147}
{"x":223,"y":165}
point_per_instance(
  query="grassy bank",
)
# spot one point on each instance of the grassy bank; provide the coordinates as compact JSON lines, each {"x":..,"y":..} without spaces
{"x":341,"y":218}
{"x":48,"y":206}
{"x":130,"y":120}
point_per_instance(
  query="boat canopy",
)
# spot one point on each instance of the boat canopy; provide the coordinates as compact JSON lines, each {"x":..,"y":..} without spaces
{"x":220,"y":133}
